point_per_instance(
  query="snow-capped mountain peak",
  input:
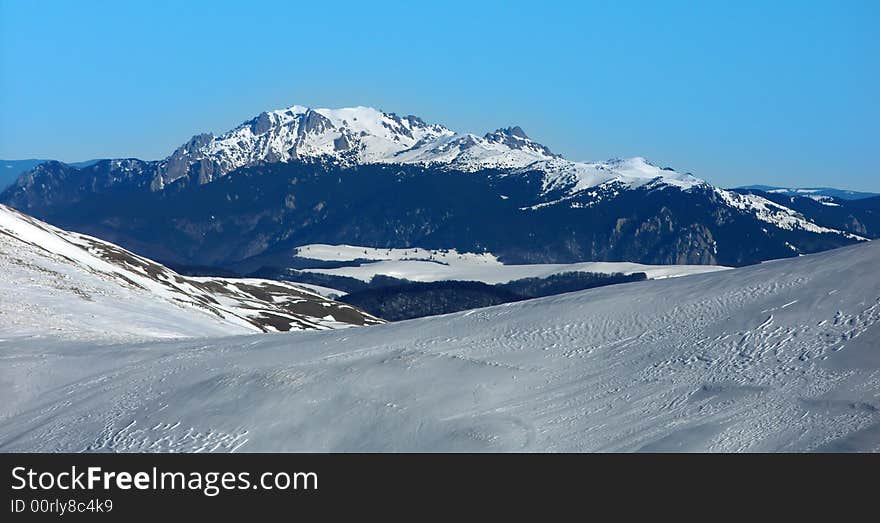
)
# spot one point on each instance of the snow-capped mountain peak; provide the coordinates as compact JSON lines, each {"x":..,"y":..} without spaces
{"x":349,"y":136}
{"x":639,"y":169}
{"x":352,"y":135}
{"x":364,"y":135}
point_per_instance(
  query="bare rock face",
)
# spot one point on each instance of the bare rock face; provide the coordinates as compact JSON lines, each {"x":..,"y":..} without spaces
{"x":342,"y":143}
{"x":187,"y":159}
{"x":313,"y":122}
{"x":261,"y":124}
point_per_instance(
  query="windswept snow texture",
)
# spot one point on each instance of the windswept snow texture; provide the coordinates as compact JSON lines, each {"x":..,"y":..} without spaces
{"x":782,"y":356}
{"x":54,"y":282}
{"x":429,"y":265}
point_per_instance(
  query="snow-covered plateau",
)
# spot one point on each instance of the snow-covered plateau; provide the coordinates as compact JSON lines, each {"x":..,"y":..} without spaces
{"x":427,"y":265}
{"x":781,"y":356}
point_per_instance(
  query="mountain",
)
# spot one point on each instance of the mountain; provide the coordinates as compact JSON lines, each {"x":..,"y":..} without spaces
{"x":76,"y":286}
{"x":247,"y":199}
{"x":10,"y":170}
{"x":860,"y":216}
{"x":811,"y":192}
{"x":780,"y":356}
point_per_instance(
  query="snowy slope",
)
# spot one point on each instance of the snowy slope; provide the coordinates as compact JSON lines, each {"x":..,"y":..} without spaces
{"x":78,"y":286}
{"x":781,"y":356}
{"x":416,"y":264}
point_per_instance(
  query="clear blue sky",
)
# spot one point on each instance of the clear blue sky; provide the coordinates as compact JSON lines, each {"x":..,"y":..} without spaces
{"x":736,"y":92}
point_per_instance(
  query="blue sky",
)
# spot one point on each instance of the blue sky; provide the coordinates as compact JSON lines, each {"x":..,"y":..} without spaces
{"x":736,"y":92}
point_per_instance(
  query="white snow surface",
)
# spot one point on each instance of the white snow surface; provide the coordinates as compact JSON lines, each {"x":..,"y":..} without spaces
{"x":630,"y":172}
{"x":55,"y":282}
{"x":358,"y":134}
{"x":427,"y":265}
{"x":781,"y":356}
{"x":342,"y":252}
{"x":326,"y":292}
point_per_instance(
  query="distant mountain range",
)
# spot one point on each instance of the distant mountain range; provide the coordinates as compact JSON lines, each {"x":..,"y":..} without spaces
{"x":812,"y":192}
{"x":246,"y":200}
{"x":10,"y":170}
